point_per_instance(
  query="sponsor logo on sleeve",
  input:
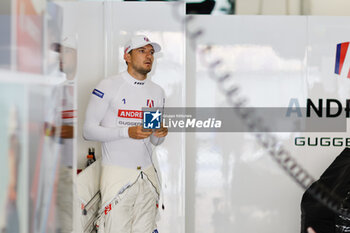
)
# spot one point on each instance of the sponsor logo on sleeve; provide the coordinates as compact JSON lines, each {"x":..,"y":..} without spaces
{"x":155,"y":231}
{"x":98,"y":93}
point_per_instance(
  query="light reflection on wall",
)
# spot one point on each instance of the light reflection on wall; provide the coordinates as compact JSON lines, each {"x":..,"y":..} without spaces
{"x":252,"y":58}
{"x":252,"y":67}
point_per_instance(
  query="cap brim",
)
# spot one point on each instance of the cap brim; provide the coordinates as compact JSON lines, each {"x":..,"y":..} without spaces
{"x":155,"y":46}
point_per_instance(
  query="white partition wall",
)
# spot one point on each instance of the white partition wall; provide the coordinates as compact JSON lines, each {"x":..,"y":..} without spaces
{"x":235,"y":185}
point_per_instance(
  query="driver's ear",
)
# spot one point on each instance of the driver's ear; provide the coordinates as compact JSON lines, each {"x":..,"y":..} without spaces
{"x":127,"y":57}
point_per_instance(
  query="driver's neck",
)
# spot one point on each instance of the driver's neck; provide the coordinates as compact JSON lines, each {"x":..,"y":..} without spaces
{"x":136,"y":74}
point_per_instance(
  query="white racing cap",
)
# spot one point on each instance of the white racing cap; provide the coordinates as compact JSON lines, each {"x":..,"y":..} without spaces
{"x":68,"y":42}
{"x":140,"y":41}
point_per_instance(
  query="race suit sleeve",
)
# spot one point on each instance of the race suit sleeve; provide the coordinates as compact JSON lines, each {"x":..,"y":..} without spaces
{"x":154,"y":139}
{"x":96,"y":111}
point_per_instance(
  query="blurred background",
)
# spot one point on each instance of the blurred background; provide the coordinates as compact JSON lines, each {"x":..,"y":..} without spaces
{"x":53,"y":53}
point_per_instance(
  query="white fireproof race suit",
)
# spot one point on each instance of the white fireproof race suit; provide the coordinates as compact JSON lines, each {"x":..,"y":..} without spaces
{"x":127,"y":172}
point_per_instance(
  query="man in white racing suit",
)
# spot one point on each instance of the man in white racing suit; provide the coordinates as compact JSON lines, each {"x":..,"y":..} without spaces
{"x":129,"y":185}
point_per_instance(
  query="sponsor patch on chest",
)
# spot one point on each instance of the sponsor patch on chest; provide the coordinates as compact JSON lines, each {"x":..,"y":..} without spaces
{"x":135,"y":114}
{"x":150,"y":103}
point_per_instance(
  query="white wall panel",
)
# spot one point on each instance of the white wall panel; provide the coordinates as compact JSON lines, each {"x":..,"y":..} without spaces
{"x":293,"y":7}
{"x":324,"y":7}
{"x":268,"y":7}
{"x":237,"y":186}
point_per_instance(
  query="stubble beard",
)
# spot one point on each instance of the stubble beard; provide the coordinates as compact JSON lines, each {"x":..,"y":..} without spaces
{"x":141,"y":70}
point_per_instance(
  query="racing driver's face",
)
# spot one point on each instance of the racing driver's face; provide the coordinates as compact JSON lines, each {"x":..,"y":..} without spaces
{"x":141,"y":59}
